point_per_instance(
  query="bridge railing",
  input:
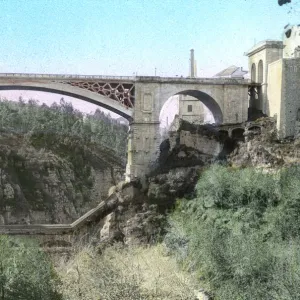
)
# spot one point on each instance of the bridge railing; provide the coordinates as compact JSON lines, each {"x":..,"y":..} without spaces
{"x":67,"y":76}
{"x":205,"y":80}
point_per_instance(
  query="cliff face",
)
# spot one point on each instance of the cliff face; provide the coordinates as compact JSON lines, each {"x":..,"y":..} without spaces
{"x":187,"y":149}
{"x":60,"y":184}
{"x":51,"y":178}
{"x":55,"y":181}
{"x":190,"y":148}
{"x":262,"y":149}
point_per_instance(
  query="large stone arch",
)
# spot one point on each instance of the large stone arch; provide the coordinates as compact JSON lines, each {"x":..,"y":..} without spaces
{"x":75,"y":92}
{"x":209,"y":101}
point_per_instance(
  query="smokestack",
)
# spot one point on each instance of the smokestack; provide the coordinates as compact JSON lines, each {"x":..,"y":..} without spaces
{"x":192,"y":65}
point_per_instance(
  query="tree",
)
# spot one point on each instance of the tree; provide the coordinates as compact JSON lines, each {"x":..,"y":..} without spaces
{"x":25,"y":271}
{"x":281,"y":2}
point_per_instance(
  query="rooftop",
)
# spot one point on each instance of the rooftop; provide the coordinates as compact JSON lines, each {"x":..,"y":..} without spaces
{"x":230,"y":71}
{"x":264,"y":44}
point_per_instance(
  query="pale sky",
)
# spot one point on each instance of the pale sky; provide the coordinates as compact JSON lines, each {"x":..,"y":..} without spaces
{"x":123,"y":37}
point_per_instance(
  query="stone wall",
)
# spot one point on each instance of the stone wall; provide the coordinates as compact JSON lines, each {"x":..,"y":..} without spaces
{"x":275,"y":90}
{"x":283,"y":95}
{"x":235,"y":107}
{"x":290,"y":97}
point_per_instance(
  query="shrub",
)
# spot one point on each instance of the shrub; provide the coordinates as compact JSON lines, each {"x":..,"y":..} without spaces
{"x":127,"y":273}
{"x":25,"y":271}
{"x":241,"y":233}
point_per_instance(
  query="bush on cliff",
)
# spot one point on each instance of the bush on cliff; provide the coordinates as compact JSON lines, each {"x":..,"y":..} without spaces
{"x":25,"y":271}
{"x":241,"y":233}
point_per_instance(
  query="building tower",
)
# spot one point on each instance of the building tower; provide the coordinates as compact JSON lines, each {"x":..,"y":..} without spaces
{"x":193,"y":66}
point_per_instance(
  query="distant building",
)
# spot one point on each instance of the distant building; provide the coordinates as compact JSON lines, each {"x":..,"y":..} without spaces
{"x":232,"y":72}
{"x":191,"y":109}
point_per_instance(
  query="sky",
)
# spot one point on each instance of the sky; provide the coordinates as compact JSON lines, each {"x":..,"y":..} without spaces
{"x":127,"y":37}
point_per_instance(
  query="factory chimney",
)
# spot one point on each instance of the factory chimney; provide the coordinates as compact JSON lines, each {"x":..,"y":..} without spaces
{"x":193,"y":68}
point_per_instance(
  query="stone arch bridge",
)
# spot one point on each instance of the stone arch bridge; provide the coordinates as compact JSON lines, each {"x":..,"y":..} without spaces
{"x":140,"y":100}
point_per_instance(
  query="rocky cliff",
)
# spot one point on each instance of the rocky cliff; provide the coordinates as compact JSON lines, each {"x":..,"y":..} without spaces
{"x":58,"y":181}
{"x":262,"y":148}
{"x":52,"y":178}
{"x":191,"y":148}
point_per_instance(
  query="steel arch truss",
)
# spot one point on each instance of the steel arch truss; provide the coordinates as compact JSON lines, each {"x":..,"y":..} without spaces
{"x":121,"y":92}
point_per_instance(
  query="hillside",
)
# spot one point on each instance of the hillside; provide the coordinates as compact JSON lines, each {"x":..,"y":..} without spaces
{"x":56,"y":163}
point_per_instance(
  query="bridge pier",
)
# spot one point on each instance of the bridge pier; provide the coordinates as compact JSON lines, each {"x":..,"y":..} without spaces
{"x":143,"y":148}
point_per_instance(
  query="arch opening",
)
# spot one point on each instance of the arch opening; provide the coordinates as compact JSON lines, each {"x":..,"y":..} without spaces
{"x":191,"y":105}
{"x":238,"y":134}
{"x":253,"y":72}
{"x":255,"y":129}
{"x":198,"y":107}
{"x":101,"y":101}
{"x":209,"y":102}
{"x":223,"y":134}
{"x":260,"y":72}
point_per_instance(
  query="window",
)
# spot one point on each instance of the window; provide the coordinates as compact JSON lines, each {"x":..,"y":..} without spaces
{"x":288,"y":33}
{"x":190,"y":108}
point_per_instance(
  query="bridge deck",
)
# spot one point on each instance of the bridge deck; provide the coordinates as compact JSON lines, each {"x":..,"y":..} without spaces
{"x":128,"y":79}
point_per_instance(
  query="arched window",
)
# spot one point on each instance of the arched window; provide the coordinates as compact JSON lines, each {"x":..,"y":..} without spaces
{"x":238,"y":134}
{"x":260,"y":77}
{"x":253,"y":73}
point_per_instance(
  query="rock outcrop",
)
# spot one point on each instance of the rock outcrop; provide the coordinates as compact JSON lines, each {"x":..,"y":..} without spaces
{"x":184,"y":153}
{"x":41,"y":186}
{"x":57,"y":184}
{"x":262,"y":148}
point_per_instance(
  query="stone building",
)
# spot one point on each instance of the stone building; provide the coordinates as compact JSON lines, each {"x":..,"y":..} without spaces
{"x":276,"y":66}
{"x":193,"y":110}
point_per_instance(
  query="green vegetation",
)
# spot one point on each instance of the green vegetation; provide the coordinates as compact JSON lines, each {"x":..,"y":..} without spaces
{"x":49,"y":125}
{"x":239,"y":238}
{"x":241,"y":233}
{"x":52,"y":153}
{"x":26,"y":271}
{"x":125,"y":273}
